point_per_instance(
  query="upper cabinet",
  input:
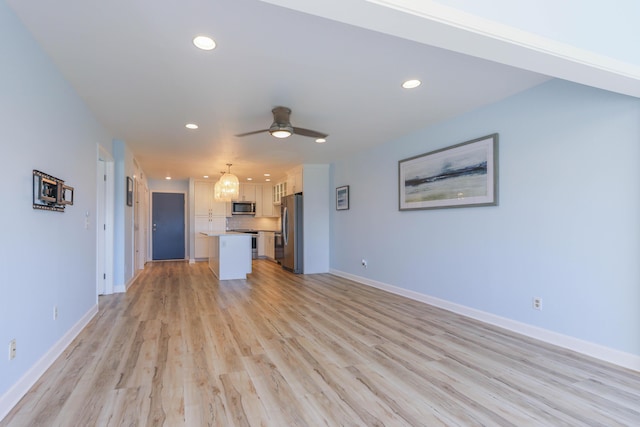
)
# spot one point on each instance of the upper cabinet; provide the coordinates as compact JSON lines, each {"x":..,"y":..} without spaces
{"x":247,"y":192}
{"x":292,"y":184}
{"x":279,"y":191}
{"x":264,"y":204}
{"x":294,"y":181}
{"x":204,"y":202}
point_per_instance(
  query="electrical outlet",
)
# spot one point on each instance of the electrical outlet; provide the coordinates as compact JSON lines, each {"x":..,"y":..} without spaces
{"x":55,"y":312}
{"x":537,"y":303}
{"x":12,"y":349}
{"x":364,"y":263}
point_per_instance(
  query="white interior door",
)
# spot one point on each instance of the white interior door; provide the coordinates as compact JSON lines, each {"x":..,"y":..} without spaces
{"x":101,"y":192}
{"x":104,"y":222}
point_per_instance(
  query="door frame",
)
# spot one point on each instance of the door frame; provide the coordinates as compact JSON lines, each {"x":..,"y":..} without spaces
{"x":105,"y":191}
{"x":140,"y":226}
{"x":186,"y":223}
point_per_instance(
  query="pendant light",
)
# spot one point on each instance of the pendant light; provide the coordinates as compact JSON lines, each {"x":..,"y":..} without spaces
{"x":229,"y":186}
{"x":217,"y":190}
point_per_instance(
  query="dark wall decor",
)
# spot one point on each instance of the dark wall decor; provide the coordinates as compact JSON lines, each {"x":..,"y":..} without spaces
{"x":129,"y":191}
{"x":342,"y":198}
{"x":461,"y":175}
{"x":50,"y":193}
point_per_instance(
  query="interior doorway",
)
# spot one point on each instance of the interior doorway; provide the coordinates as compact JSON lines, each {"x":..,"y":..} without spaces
{"x":141,"y":215}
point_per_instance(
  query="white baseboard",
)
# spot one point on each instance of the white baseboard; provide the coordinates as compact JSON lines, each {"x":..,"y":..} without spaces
{"x":617,"y":357}
{"x":122,"y":288}
{"x":133,"y":280}
{"x":19,"y":389}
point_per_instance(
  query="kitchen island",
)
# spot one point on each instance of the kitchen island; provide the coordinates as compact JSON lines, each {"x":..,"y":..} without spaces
{"x":229,"y":255}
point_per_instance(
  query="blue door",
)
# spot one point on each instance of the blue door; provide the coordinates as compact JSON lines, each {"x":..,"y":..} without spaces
{"x":168,"y":226}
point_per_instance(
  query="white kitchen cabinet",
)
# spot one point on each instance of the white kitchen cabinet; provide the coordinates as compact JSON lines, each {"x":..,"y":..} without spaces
{"x":266,"y":244}
{"x":270,"y":245}
{"x":264,"y":203}
{"x":200,"y":243}
{"x":261,"y":243}
{"x":204,"y":202}
{"x":259,"y":200}
{"x":247,"y":193}
{"x":229,"y":255}
{"x":279,"y":191}
{"x":294,"y":181}
{"x":201,"y":199}
{"x":208,"y":216}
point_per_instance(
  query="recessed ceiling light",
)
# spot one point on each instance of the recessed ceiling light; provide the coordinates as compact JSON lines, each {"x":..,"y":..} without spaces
{"x":267,"y":174}
{"x":167,"y":177}
{"x":191,"y":126}
{"x":321,"y":140}
{"x":268,"y":179}
{"x":206,"y":176}
{"x":204,"y":43}
{"x":411,"y":84}
{"x":249,"y":179}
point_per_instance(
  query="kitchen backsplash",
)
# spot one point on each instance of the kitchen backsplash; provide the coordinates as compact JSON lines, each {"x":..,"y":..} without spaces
{"x":248,"y":222}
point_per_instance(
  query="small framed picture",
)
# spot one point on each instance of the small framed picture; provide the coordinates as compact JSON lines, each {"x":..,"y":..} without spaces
{"x":342,"y":198}
{"x":129,"y":191}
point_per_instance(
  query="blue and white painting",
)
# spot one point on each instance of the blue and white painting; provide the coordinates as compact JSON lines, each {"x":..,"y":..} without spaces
{"x":461,"y":175}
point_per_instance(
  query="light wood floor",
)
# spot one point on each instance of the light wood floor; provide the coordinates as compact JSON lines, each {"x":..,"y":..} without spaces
{"x":182,"y":349}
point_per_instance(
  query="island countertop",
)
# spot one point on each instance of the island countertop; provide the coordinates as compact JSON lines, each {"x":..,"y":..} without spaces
{"x":223,"y":233}
{"x":229,"y":254}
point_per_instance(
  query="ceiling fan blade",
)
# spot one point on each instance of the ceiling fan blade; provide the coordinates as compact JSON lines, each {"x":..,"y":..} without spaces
{"x":309,"y":132}
{"x":252,"y":133}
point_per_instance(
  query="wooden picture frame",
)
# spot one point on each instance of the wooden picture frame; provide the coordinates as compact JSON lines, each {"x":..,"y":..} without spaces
{"x":462,"y":175}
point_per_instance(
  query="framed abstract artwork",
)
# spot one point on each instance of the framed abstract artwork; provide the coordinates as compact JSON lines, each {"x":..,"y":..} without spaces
{"x":461,"y":175}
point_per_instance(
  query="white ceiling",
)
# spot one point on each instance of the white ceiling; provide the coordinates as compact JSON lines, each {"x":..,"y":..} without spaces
{"x":134,"y":65}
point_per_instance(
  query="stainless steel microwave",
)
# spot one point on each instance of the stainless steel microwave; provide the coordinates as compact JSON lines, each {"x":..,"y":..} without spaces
{"x":243,"y":208}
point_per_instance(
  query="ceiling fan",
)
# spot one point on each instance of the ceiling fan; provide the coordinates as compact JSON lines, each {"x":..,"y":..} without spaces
{"x":282,"y":128}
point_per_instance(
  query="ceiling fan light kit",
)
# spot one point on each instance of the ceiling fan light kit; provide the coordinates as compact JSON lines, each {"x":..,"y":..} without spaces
{"x":281,"y":130}
{"x":204,"y":42}
{"x":411,"y":84}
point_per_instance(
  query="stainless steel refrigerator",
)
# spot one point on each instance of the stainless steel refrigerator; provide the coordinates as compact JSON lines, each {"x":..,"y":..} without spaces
{"x":291,"y":216}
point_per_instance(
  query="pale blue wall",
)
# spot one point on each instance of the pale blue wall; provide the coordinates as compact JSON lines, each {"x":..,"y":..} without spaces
{"x":169,"y":186}
{"x":567,"y":228}
{"x":609,"y":28}
{"x":123,"y":271}
{"x":46,"y":258}
{"x":316,"y":218}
